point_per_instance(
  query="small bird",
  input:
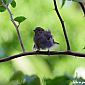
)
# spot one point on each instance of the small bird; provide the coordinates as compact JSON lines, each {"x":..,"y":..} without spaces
{"x":43,"y":39}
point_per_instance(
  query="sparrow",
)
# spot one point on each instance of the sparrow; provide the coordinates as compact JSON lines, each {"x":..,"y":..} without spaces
{"x":43,"y":39}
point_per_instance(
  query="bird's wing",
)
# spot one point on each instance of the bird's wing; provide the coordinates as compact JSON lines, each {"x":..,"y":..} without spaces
{"x":48,"y":35}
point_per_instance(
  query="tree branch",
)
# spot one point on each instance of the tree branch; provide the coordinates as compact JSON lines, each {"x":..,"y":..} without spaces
{"x":63,"y":26}
{"x":15,"y":25}
{"x":43,"y":53}
{"x":82,"y":6}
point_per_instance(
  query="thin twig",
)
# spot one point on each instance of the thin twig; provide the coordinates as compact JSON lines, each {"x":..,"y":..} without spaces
{"x":43,"y":53}
{"x":62,"y":23}
{"x":15,"y":25}
{"x":82,"y":6}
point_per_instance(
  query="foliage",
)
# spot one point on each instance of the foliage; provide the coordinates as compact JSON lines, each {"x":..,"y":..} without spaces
{"x":13,"y":3}
{"x":22,"y":79}
{"x":2,"y":9}
{"x":62,"y":80}
{"x":19,"y":19}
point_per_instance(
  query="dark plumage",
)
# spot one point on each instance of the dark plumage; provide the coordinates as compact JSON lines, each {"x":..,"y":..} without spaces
{"x":43,"y":39}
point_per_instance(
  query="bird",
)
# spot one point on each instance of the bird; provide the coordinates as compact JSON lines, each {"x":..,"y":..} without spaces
{"x":43,"y":39}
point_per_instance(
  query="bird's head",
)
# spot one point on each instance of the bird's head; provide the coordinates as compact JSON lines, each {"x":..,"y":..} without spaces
{"x":38,"y":29}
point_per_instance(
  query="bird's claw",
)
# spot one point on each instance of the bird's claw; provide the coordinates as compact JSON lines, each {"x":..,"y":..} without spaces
{"x":37,"y":51}
{"x":48,"y":52}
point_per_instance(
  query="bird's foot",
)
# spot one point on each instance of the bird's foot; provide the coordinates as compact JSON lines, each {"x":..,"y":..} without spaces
{"x":37,"y":51}
{"x":48,"y":52}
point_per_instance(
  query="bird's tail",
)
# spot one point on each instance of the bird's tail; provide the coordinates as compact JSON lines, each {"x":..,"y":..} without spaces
{"x":56,"y":43}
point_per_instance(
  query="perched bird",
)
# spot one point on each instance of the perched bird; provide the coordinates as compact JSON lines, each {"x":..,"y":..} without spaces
{"x":43,"y":39}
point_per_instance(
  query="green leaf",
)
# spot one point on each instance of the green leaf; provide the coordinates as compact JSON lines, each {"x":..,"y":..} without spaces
{"x":8,"y":1}
{"x":0,"y":3}
{"x":18,"y":76}
{"x":63,"y":2}
{"x":22,"y":79}
{"x":19,"y":19}
{"x":13,"y":3}
{"x":62,"y":80}
{"x":2,"y":9}
{"x":31,"y":80}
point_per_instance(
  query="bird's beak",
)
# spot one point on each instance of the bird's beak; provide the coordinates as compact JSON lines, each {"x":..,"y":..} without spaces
{"x":34,"y":30}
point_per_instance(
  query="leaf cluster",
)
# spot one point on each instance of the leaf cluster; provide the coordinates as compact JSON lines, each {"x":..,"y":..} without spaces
{"x":8,"y":2}
{"x":18,"y":78}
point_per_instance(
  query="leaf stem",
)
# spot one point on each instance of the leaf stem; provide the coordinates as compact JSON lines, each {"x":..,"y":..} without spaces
{"x":15,"y":25}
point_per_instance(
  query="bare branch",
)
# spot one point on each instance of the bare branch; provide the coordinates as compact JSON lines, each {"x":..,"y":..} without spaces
{"x":82,"y":6}
{"x":15,"y":25}
{"x":63,"y":26}
{"x":43,"y":53}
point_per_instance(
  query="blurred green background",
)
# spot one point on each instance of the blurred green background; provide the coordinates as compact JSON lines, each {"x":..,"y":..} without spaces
{"x":41,"y":13}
